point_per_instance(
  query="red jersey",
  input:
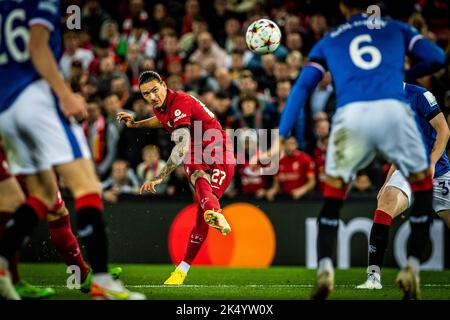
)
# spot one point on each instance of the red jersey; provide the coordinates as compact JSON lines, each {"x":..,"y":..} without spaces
{"x":182,"y":109}
{"x":250,"y":183}
{"x":294,"y":171}
{"x":211,"y":151}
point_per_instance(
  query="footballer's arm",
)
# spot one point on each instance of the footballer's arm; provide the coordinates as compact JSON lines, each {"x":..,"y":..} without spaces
{"x":439,"y":123}
{"x":182,"y":138}
{"x":152,"y":123}
{"x":47,"y":67}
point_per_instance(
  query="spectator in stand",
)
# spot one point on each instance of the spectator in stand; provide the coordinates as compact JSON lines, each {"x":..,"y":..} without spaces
{"x":248,"y":182}
{"x":272,"y":112}
{"x":132,"y":66}
{"x":159,"y":14}
{"x":322,"y":99}
{"x":196,"y":81}
{"x":140,"y":36}
{"x":208,"y":50}
{"x":89,"y":88}
{"x":192,"y":9}
{"x":294,"y":61}
{"x":188,"y":41}
{"x":216,"y":17}
{"x":226,"y":84}
{"x":77,"y":76}
{"x":232,"y":29}
{"x":110,"y":32}
{"x":169,"y":54}
{"x":250,"y":113}
{"x":318,"y":28}
{"x":102,"y":50}
{"x":296,"y":176}
{"x":151,"y":167}
{"x":291,"y":24}
{"x":73,"y":52}
{"x":121,"y":88}
{"x":248,"y":87}
{"x":112,"y":106}
{"x":237,"y":65}
{"x":137,"y":13}
{"x":225,"y":114}
{"x":92,"y":17}
{"x":175,"y":82}
{"x":122,"y":181}
{"x":265,"y":77}
{"x":108,"y":72}
{"x":102,"y":138}
{"x":294,"y":42}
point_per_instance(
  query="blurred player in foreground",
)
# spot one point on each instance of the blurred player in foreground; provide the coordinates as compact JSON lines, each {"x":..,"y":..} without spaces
{"x":366,"y":57}
{"x":183,"y":116}
{"x":396,"y":196}
{"x":40,"y":133}
{"x":59,"y":228}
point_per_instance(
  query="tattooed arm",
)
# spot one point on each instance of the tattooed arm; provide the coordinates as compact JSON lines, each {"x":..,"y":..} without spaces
{"x":182,"y":138}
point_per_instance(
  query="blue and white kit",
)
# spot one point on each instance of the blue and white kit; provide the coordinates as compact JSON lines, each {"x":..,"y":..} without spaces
{"x":36,"y":134}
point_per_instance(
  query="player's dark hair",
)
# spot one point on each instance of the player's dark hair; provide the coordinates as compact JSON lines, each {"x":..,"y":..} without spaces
{"x":358,"y":4}
{"x":148,"y":76}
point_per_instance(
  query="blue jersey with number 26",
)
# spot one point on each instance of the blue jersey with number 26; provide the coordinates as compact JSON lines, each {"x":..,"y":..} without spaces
{"x":366,"y":64}
{"x":16,"y":68}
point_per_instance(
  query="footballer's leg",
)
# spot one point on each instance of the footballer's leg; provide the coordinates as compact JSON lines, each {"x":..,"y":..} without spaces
{"x":82,"y":181}
{"x":420,"y":218}
{"x":209,"y":201}
{"x":392,"y":201}
{"x":207,"y":210}
{"x":328,"y":223}
{"x":42,"y":195}
{"x":65,"y":242}
{"x":197,"y":237}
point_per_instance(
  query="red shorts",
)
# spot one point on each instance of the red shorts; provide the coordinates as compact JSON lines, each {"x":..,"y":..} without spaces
{"x":4,"y":171}
{"x":221,"y":175}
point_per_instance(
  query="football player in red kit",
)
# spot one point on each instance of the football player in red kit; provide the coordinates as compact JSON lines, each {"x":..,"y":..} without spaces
{"x":201,"y":145}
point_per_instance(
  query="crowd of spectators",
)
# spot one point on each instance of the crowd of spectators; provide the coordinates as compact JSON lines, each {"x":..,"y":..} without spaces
{"x":199,"y":47}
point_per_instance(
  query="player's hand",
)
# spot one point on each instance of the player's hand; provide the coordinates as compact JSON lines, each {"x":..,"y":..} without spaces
{"x":127,"y":118}
{"x":74,"y":105}
{"x":150,"y":186}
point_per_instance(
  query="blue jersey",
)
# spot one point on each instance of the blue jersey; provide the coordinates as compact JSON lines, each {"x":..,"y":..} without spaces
{"x":426,"y":108}
{"x":366,"y":64}
{"x":16,"y":68}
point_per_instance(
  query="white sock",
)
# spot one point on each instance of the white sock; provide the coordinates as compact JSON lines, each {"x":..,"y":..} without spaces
{"x":326,"y":264}
{"x":184,"y":266}
{"x":414,"y":263}
{"x":373,"y":269}
{"x":102,"y":279}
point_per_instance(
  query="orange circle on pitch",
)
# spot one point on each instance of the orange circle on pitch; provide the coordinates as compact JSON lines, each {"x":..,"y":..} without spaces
{"x":251,"y":242}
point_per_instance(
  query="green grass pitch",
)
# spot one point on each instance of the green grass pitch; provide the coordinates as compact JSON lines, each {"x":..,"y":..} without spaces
{"x":273,"y":283}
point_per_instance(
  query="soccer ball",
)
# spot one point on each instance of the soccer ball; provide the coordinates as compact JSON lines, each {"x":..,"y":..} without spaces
{"x":263,"y":36}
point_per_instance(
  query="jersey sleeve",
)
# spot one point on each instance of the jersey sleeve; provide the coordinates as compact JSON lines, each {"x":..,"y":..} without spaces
{"x":428,"y":105}
{"x":46,"y":13}
{"x":317,"y":57}
{"x":410,"y":35}
{"x":180,"y":112}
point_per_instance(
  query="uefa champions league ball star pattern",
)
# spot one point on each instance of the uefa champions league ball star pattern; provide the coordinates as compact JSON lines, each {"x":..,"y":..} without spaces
{"x":263,"y":36}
